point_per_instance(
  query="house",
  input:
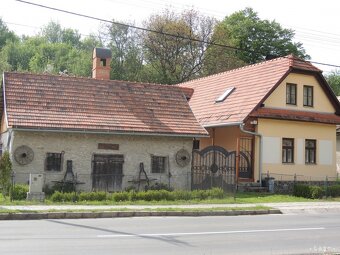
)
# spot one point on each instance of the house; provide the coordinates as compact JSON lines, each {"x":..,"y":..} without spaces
{"x":276,"y":118}
{"x":107,"y":134}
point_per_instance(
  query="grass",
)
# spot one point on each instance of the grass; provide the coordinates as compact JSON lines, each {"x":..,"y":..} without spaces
{"x":241,"y":198}
{"x":169,"y":209}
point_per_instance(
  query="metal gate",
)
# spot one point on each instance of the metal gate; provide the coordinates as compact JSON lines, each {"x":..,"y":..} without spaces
{"x":213,"y":167}
{"x":107,"y":172}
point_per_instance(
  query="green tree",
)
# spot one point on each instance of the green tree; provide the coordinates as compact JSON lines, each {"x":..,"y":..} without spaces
{"x":173,"y":58}
{"x":127,"y":53}
{"x":333,"y":80}
{"x":6,"y":35}
{"x":258,"y":39}
{"x":5,"y":173}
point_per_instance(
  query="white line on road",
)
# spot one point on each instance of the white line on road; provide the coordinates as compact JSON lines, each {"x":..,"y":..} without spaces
{"x":212,"y":233}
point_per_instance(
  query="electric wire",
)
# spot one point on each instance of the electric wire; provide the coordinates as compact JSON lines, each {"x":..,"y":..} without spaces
{"x":155,"y":31}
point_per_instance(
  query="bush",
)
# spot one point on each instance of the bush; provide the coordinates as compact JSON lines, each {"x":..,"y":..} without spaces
{"x":308,"y":191}
{"x":121,"y":196}
{"x":64,"y":197}
{"x":92,"y":196}
{"x":19,"y":191}
{"x":334,"y":191}
{"x":182,"y":195}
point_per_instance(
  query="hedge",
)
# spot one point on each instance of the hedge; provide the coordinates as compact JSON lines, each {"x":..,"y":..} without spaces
{"x":149,"y":195}
{"x":314,"y":192}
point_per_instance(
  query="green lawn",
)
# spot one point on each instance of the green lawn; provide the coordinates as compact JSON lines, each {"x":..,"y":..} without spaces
{"x":241,"y":198}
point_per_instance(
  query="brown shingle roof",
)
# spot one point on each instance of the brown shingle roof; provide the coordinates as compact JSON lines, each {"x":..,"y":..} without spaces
{"x":252,"y":84}
{"x":59,"y":102}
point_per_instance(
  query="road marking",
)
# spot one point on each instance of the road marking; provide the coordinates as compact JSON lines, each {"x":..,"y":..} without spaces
{"x":212,"y":233}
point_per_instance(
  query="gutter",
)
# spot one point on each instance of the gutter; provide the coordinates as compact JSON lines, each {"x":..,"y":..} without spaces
{"x":60,"y":130}
{"x":261,"y":149}
{"x":223,"y":124}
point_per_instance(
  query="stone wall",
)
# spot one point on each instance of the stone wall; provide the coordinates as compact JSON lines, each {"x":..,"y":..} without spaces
{"x":80,"y":148}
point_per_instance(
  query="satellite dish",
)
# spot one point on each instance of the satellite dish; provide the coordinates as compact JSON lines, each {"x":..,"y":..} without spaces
{"x":23,"y":155}
{"x":182,"y":157}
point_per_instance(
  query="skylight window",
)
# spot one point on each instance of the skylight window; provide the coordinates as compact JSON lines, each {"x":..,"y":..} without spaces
{"x":225,"y":94}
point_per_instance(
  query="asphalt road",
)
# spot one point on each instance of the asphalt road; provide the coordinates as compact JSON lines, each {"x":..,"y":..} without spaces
{"x":267,"y":234}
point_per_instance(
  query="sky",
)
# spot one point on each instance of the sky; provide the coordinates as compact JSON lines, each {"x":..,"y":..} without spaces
{"x":316,"y":23}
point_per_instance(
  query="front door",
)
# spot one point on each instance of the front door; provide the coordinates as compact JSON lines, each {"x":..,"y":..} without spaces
{"x":245,"y":164}
{"x":107,"y":172}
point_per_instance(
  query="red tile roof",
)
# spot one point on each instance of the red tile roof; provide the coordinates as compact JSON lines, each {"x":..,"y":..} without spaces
{"x":252,"y":84}
{"x":59,"y":102}
{"x":271,"y":113}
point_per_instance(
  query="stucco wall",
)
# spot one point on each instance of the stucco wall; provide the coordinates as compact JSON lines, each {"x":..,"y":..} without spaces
{"x":80,"y":148}
{"x":274,"y":130}
{"x":278,"y":98}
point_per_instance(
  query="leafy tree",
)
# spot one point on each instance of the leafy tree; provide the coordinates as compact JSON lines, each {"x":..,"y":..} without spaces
{"x":127,"y":54}
{"x":333,"y":80}
{"x":175,"y":59}
{"x":6,"y":35}
{"x":54,"y":33}
{"x":258,"y":39}
{"x":5,"y":173}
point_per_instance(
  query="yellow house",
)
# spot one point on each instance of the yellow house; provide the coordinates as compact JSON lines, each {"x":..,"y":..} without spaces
{"x":275,"y":118}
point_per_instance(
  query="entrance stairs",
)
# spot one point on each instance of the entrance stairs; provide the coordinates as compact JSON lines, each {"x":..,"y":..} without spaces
{"x":251,"y":187}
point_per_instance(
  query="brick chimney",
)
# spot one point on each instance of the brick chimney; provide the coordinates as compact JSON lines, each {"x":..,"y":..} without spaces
{"x":101,"y":63}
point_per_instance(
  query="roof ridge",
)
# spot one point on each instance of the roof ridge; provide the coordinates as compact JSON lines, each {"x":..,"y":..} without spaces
{"x":88,"y":78}
{"x":291,"y":58}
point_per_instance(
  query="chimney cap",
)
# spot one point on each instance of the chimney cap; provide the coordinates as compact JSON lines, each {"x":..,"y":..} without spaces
{"x":102,"y":53}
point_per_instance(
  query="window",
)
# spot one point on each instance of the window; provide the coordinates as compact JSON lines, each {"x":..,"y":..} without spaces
{"x":102,"y":62}
{"x":310,"y":151}
{"x":225,"y":94}
{"x":53,"y":161}
{"x":287,"y":150}
{"x":158,"y":164}
{"x":308,"y":96}
{"x":291,"y":93}
{"x":196,"y":145}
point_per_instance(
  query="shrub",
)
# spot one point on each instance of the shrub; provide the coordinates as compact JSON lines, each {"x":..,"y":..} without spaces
{"x":19,"y":191}
{"x":63,"y":197}
{"x":308,"y":191}
{"x":121,"y":196}
{"x":334,"y":191}
{"x":182,"y":195}
{"x":5,"y":173}
{"x":92,"y":196}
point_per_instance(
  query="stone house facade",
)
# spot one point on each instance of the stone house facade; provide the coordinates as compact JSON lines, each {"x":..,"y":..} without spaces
{"x":103,"y":134}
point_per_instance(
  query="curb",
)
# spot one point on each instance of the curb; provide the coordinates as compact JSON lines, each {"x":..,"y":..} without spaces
{"x":124,"y":214}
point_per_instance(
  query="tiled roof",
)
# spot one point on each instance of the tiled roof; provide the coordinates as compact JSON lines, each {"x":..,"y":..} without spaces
{"x":59,"y":102}
{"x":252,"y":83}
{"x":327,"y":118}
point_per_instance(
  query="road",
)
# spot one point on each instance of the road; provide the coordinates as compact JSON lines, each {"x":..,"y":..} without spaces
{"x":267,"y":234}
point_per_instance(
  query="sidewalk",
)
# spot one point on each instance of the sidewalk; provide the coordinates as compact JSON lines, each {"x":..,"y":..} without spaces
{"x":109,"y":211}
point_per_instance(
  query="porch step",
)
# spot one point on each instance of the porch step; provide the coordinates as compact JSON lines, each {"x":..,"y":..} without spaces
{"x":251,"y":187}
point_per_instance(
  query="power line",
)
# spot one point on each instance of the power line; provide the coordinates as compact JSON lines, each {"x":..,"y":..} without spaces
{"x":155,"y":31}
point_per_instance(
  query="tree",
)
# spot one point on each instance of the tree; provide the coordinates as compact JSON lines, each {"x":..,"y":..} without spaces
{"x":333,"y":80}
{"x":127,"y":54}
{"x":54,"y":33}
{"x":258,"y":39}
{"x":6,"y":35}
{"x":174,"y":59}
{"x":5,"y":173}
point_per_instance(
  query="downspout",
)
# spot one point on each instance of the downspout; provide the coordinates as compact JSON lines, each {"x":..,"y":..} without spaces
{"x":261,"y":149}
